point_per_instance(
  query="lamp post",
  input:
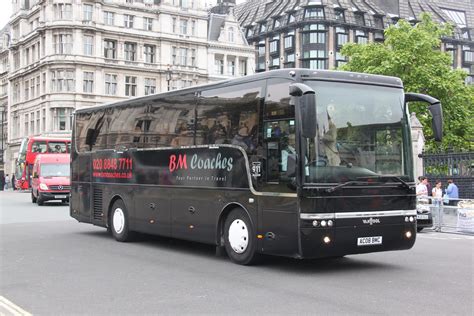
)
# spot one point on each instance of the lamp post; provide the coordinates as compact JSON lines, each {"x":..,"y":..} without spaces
{"x":168,"y":74}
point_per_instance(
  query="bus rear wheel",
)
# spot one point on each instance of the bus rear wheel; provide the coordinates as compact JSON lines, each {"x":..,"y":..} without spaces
{"x":119,"y":222}
{"x":239,"y":238}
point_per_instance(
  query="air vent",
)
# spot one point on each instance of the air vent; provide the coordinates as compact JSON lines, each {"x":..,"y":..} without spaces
{"x":97,"y":204}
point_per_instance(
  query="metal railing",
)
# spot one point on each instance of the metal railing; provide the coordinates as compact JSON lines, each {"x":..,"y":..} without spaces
{"x":448,"y":215}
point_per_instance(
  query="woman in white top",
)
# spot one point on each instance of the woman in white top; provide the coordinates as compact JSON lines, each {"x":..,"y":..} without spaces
{"x":437,"y":193}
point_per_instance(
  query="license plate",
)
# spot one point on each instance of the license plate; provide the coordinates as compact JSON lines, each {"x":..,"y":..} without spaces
{"x":60,"y":196}
{"x":369,"y":241}
{"x":422,"y":216}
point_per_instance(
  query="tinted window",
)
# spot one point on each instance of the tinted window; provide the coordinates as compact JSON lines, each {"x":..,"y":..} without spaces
{"x":39,"y":147}
{"x":230,"y":116}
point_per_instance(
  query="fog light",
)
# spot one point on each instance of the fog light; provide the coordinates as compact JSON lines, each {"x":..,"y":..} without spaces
{"x":315,"y":223}
{"x":327,"y":240}
{"x":412,"y":219}
{"x":323,"y":223}
{"x":408,"y":234}
{"x":406,"y":218}
{"x":330,"y":223}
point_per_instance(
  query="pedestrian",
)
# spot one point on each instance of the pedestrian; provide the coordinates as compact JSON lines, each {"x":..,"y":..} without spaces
{"x":422,"y":190}
{"x":13,"y":182}
{"x":7,"y":181}
{"x":452,"y":192}
{"x":437,"y":194}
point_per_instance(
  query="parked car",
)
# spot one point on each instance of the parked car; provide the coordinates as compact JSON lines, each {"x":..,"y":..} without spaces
{"x":424,"y":218}
{"x":51,"y":178}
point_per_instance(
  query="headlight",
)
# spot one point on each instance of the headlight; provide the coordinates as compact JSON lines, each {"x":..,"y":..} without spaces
{"x":43,"y":186}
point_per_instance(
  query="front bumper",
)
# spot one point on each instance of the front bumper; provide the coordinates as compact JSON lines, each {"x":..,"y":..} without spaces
{"x":56,"y":195}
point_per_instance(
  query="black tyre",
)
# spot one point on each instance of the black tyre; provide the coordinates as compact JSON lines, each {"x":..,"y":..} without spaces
{"x":39,"y":200}
{"x":119,"y":222}
{"x":419,"y":229}
{"x":239,"y":237}
{"x":33,"y":198}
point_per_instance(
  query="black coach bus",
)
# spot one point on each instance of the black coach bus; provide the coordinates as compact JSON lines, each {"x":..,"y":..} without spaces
{"x":292,"y":162}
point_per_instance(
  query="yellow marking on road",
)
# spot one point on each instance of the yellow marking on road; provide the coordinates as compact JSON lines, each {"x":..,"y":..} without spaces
{"x":11,"y":308}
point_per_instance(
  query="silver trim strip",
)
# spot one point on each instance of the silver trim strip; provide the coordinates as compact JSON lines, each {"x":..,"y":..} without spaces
{"x":343,"y":215}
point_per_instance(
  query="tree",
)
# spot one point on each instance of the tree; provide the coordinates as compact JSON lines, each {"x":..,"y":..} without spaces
{"x":413,"y":54}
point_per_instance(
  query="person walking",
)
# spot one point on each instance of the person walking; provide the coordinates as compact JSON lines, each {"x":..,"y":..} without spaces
{"x":13,"y":182}
{"x":7,"y":181}
{"x":453,"y":193}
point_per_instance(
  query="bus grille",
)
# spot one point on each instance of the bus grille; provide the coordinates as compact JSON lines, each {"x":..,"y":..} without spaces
{"x":97,"y":204}
{"x":60,"y":187}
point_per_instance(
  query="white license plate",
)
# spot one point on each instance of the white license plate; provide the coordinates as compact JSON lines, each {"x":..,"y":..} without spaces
{"x":369,"y":241}
{"x":422,"y":216}
{"x":60,"y":196}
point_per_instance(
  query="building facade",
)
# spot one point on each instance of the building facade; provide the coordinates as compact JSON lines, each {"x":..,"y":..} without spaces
{"x":311,"y":33}
{"x":69,"y":54}
{"x":4,"y":69}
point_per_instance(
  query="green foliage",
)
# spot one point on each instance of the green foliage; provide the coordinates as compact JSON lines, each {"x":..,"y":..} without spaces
{"x":413,"y":54}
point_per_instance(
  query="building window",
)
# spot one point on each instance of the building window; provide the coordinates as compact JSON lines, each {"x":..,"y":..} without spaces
{"x":342,"y":36}
{"x":32,"y":123}
{"x":231,"y":67}
{"x":63,"y":43}
{"x":60,"y":119}
{"x":314,"y":38}
{"x":88,"y":83}
{"x":32,"y":87}
{"x":174,"y":25}
{"x":149,"y":53}
{"x":183,"y":56}
{"x":62,"y":80}
{"x":468,"y":56}
{"x":63,"y":11}
{"x":219,"y":66}
{"x":314,"y":13}
{"x":27,"y":90}
{"x":193,"y":27}
{"x":276,"y":23}
{"x":26,"y":124}
{"x":274,"y":62}
{"x":130,"y":86}
{"x":289,"y":40}
{"x":88,"y":45}
{"x":147,"y":24}
{"x":130,"y":51}
{"x":361,"y":37}
{"x":339,"y":15}
{"x":128,"y":21}
{"x":193,"y":57}
{"x":38,"y":85}
{"x":110,"y":84}
{"x":291,"y":18}
{"x":263,"y":27}
{"x":44,"y":119}
{"x":378,"y":21}
{"x":231,"y":35}
{"x":88,"y":9}
{"x":289,"y":60}
{"x":110,"y":49}
{"x":108,"y":18}
{"x":183,"y":27}
{"x":274,"y":46}
{"x":150,"y":86}
{"x":359,"y":18}
{"x":38,"y":122}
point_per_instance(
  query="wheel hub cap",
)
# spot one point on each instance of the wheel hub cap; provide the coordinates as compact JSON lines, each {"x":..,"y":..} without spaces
{"x":238,"y":236}
{"x":118,"y":220}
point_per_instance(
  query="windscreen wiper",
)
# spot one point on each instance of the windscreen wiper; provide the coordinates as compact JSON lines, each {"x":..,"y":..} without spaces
{"x":387,"y":178}
{"x":337,"y":187}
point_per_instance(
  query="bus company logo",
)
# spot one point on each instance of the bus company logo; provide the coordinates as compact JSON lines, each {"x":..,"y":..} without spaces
{"x":371,"y":221}
{"x":180,"y":162}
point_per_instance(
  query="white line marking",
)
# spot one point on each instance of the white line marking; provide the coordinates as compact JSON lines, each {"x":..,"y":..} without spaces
{"x":12,"y":308}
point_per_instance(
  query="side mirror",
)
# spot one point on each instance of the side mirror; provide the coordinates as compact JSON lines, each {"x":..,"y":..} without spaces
{"x":435,"y":109}
{"x":307,"y":106}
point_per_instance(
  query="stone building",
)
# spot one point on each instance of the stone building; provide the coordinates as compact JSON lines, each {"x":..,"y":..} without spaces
{"x":310,"y":33}
{"x":69,"y":54}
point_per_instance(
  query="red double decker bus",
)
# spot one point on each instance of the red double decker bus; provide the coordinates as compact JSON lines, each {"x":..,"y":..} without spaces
{"x":29,"y":149}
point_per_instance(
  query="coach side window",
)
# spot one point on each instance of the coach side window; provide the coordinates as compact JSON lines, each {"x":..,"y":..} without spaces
{"x":229,"y":115}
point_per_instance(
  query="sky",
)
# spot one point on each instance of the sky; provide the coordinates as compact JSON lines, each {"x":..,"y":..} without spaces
{"x":5,"y":12}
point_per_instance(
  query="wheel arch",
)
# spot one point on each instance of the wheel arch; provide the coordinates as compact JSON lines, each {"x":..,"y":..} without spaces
{"x":222,"y":217}
{"x":114,"y":198}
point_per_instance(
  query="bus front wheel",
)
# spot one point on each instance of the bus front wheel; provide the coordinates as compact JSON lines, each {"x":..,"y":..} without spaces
{"x":119,"y":222}
{"x":239,"y":238}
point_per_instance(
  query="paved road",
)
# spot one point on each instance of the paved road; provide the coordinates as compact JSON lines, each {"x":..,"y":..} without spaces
{"x":52,"y":265}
